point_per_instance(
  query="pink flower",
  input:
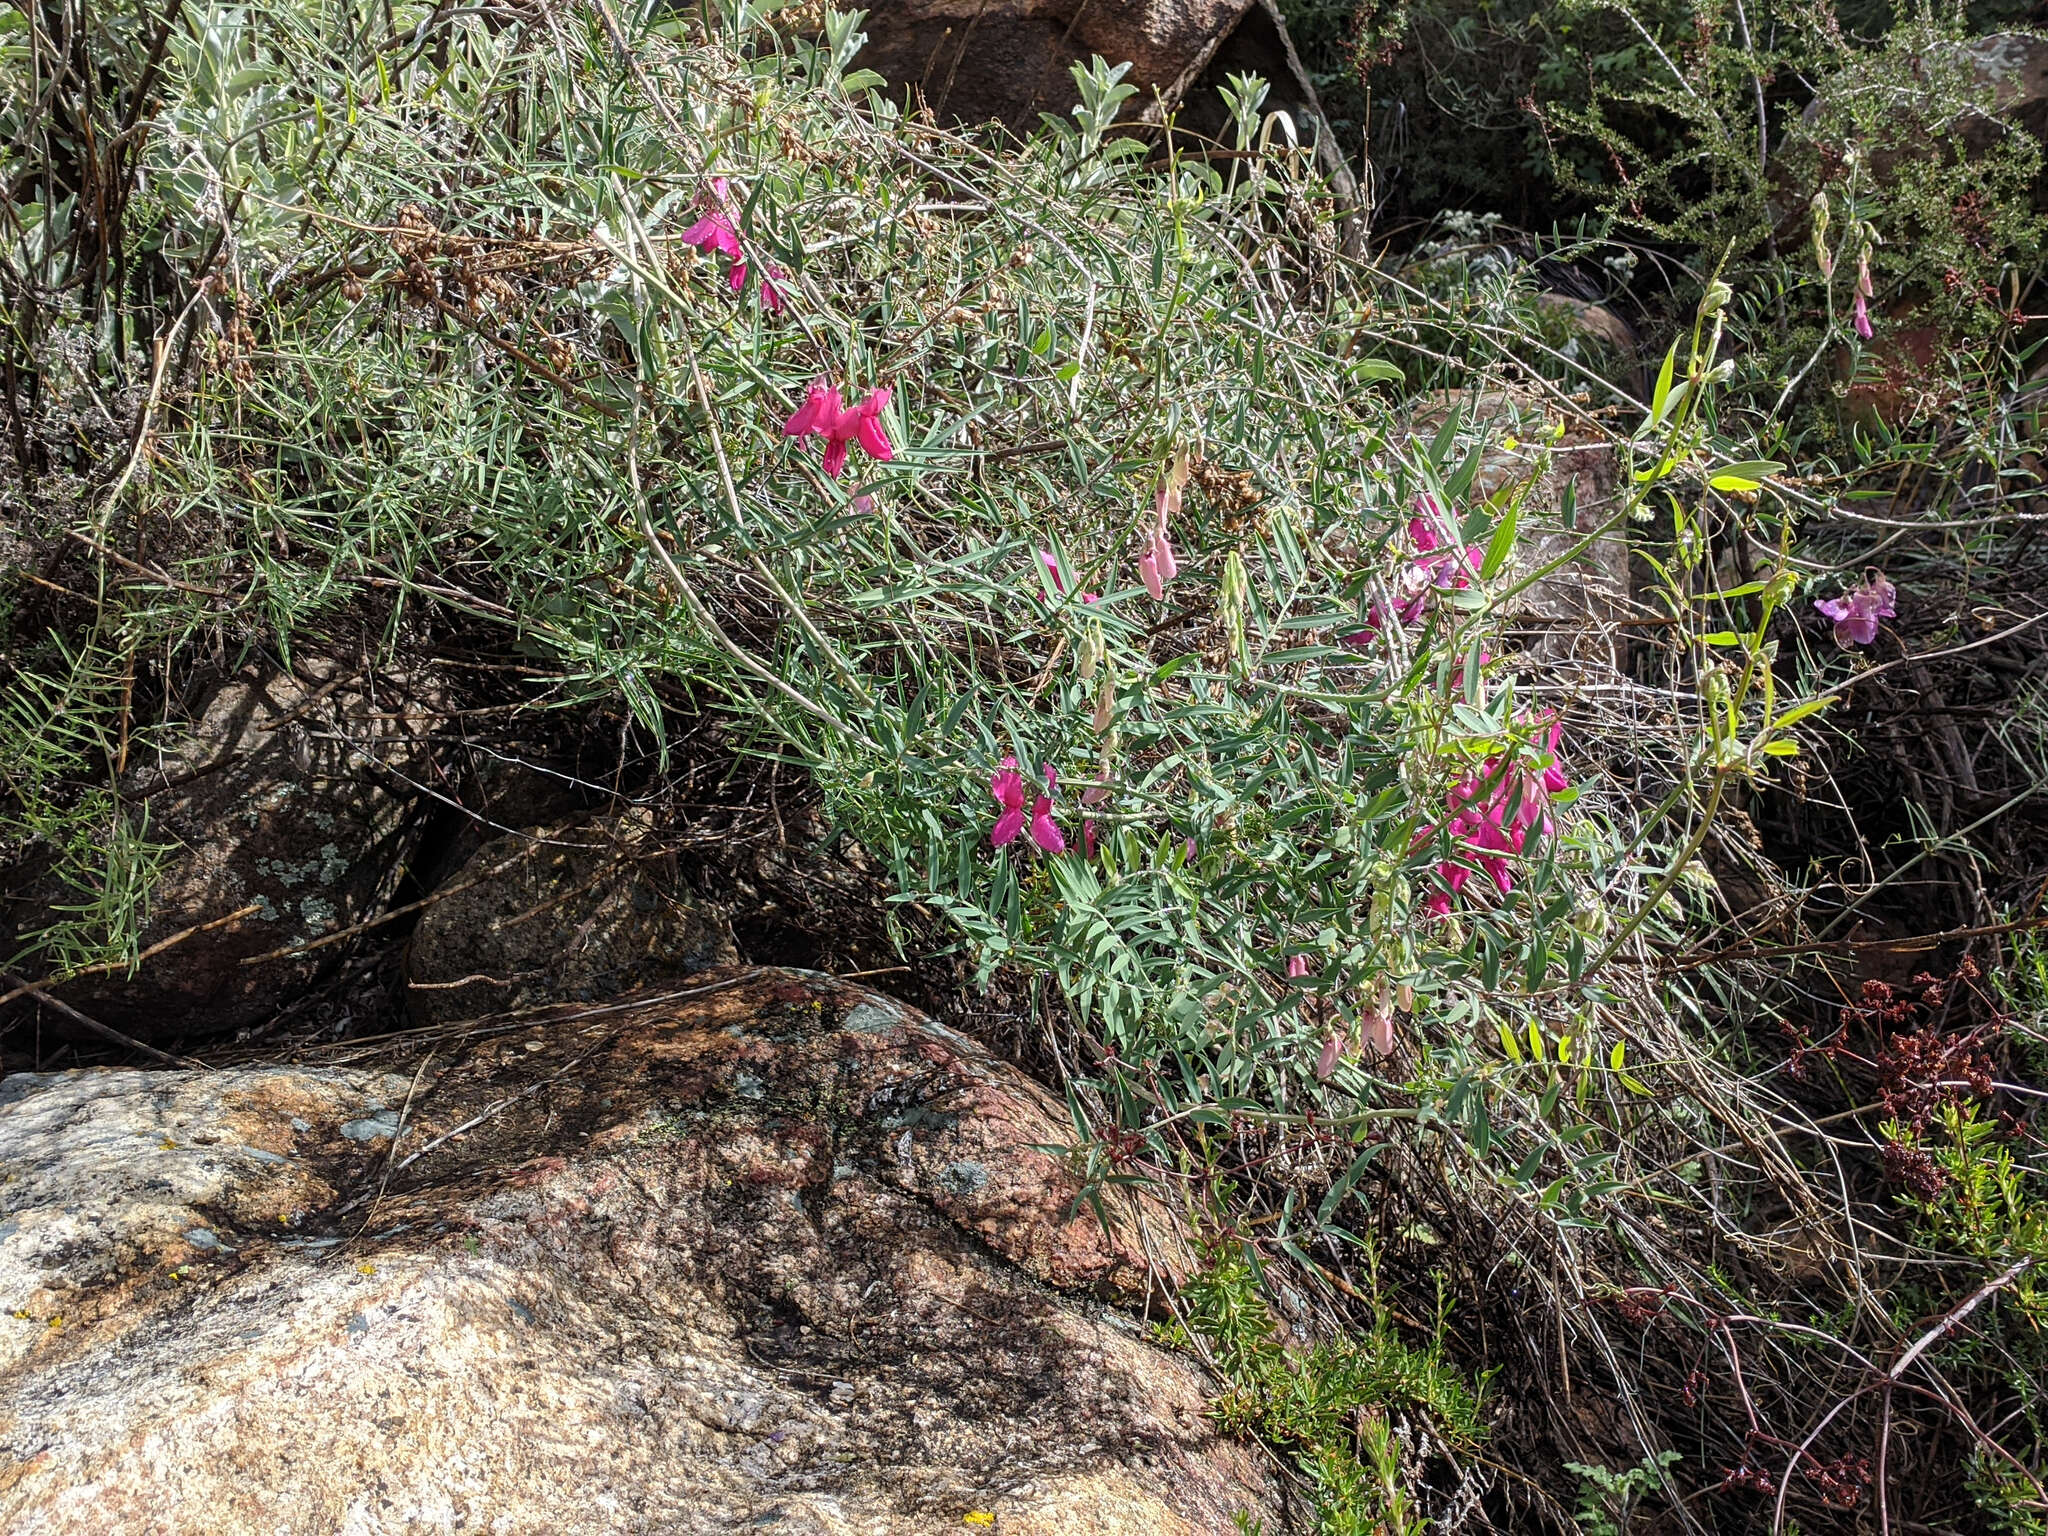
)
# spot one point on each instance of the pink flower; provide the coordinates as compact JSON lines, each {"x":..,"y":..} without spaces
{"x":1326,"y":1062}
{"x":1862,"y":318}
{"x":1052,"y":574}
{"x":1864,"y":294}
{"x":1438,"y":565}
{"x":1156,"y":563}
{"x":1164,"y":505}
{"x":1007,"y":785}
{"x":1298,"y":967}
{"x":824,"y":415}
{"x":1379,"y":1031}
{"x":1044,"y":830}
{"x":1088,"y":835}
{"x":1148,"y":572}
{"x":716,"y":232}
{"x":1857,"y":611}
{"x":1491,"y":814}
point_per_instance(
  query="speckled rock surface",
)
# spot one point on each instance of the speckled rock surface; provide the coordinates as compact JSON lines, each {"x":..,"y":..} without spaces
{"x":571,"y":912}
{"x":770,"y":1251}
{"x":288,"y":794}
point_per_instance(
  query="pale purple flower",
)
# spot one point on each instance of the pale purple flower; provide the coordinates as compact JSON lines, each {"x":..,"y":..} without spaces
{"x":1864,"y":294}
{"x":1857,"y":611}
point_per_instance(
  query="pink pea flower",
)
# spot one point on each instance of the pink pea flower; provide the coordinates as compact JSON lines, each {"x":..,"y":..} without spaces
{"x":1007,"y":785}
{"x":1148,"y":572}
{"x":716,"y":232}
{"x":1864,"y":294}
{"x":1857,"y":611}
{"x":1326,"y":1061}
{"x":1156,"y":563}
{"x":1044,"y":830}
{"x":1298,"y":967}
{"x":1492,"y":813}
{"x":1437,"y":566}
{"x":1052,"y":574}
{"x":1379,"y":1031}
{"x":1088,"y":835}
{"x":1164,"y":506}
{"x":823,"y":414}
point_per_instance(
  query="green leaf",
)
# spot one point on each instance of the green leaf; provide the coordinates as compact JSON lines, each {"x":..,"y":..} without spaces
{"x":1662,"y":396}
{"x":1374,"y":370}
{"x":1500,"y":546}
{"x":1799,"y":712}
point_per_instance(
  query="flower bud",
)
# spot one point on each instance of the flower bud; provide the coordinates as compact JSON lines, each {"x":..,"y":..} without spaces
{"x":1230,"y":600}
{"x":1092,"y":649}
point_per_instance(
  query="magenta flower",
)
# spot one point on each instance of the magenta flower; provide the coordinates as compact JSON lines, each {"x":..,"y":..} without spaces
{"x":1007,"y":785}
{"x":1864,"y":294}
{"x":716,"y":232}
{"x":1857,"y":611}
{"x":1491,"y":814}
{"x":1438,"y":565}
{"x":823,"y":414}
{"x":1044,"y":830}
{"x":1052,"y":574}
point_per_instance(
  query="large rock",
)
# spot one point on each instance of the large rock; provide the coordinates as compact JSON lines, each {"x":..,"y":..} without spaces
{"x":572,"y":912}
{"x":974,"y":61}
{"x":770,"y":1251}
{"x":287,"y":799}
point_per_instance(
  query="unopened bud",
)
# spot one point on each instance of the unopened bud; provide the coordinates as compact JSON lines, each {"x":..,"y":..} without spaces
{"x":1716,"y":297}
{"x":1231,"y":600}
{"x":1092,"y":648}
